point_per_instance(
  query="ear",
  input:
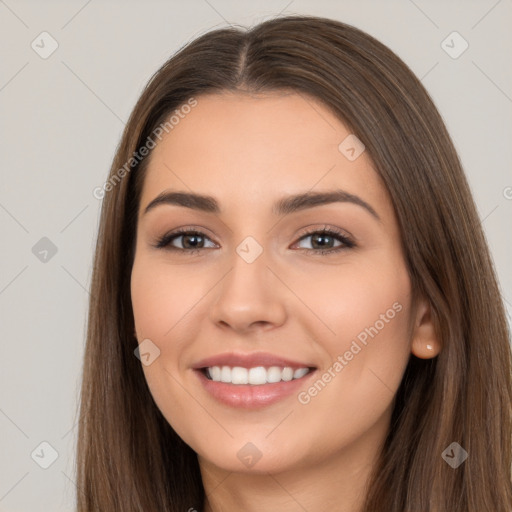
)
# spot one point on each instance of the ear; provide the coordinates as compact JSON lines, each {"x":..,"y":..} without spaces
{"x":425,"y":343}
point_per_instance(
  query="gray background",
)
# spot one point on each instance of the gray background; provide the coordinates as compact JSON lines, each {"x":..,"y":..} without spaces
{"x":62,"y":118}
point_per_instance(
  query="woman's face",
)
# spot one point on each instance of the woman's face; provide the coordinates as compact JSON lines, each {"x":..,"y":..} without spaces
{"x":253,"y":290}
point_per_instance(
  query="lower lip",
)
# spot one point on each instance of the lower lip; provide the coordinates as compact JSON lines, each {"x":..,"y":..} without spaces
{"x":247,"y":396}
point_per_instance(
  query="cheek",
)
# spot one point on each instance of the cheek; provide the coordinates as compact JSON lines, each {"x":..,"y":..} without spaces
{"x":370,"y":316}
{"x":158,"y":307}
{"x":367,"y":354}
{"x":160,"y":298}
{"x":160,"y":303}
{"x":350,"y":299}
{"x":166,"y":304}
{"x":367,"y":311}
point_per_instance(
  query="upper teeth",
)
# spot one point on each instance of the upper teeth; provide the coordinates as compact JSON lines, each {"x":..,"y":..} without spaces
{"x":255,"y":376}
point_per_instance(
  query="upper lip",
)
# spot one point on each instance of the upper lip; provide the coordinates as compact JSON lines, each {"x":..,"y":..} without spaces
{"x":249,"y":361}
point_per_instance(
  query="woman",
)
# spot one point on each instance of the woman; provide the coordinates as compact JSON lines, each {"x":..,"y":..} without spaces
{"x":293,"y":304}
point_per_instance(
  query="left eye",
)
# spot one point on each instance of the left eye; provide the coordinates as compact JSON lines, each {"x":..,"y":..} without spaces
{"x":323,"y":240}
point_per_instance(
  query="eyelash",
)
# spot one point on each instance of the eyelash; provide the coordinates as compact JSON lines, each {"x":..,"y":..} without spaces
{"x":164,"y":242}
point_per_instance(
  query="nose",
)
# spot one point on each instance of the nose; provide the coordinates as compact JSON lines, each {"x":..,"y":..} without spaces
{"x":249,"y":297}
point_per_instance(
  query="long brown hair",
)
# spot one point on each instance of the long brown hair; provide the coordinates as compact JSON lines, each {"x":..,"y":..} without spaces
{"x":130,"y":459}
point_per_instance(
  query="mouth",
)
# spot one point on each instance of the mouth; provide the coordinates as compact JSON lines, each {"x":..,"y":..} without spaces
{"x":252,"y":381}
{"x":255,"y":376}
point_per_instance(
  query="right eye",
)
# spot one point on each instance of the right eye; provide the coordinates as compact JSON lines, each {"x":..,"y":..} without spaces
{"x":192,"y":241}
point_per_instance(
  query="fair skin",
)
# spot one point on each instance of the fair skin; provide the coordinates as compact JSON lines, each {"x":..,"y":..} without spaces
{"x":248,"y":152}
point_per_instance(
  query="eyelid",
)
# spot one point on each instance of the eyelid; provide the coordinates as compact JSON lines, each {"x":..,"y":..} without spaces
{"x":315,"y":228}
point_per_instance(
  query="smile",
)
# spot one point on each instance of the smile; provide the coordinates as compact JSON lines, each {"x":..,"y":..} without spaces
{"x":252,"y":380}
{"x":255,"y":376}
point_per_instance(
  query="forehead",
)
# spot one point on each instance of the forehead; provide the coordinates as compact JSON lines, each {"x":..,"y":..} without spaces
{"x":249,"y":150}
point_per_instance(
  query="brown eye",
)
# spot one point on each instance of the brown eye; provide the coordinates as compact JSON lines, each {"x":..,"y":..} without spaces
{"x":323,"y":241}
{"x":190,"y":241}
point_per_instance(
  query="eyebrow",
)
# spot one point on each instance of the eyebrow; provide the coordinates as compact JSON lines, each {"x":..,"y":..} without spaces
{"x":283,"y":206}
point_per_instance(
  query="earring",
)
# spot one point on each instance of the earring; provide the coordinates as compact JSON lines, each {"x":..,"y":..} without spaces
{"x":430,"y":347}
